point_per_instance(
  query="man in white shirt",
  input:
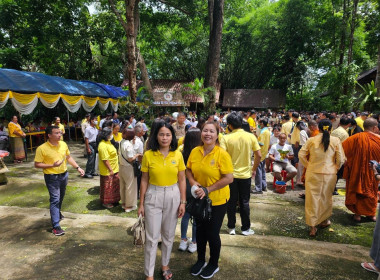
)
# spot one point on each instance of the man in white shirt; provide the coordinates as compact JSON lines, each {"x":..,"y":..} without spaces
{"x":90,"y":140}
{"x":281,"y":154}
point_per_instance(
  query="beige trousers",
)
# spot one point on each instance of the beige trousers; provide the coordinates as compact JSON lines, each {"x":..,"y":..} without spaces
{"x":161,"y":210}
{"x":128,"y":186}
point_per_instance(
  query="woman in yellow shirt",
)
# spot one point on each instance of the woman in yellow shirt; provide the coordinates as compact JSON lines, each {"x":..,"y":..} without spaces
{"x":108,"y":169}
{"x":162,"y":196}
{"x":211,"y":167}
{"x":57,"y":122}
{"x":117,"y":135}
{"x":16,"y":140}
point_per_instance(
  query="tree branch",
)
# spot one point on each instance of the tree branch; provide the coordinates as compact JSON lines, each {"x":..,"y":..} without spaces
{"x":175,"y":7}
{"x":118,"y":15}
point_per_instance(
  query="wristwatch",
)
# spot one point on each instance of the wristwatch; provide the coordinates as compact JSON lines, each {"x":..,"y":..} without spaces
{"x":183,"y":202}
{"x":77,"y":167}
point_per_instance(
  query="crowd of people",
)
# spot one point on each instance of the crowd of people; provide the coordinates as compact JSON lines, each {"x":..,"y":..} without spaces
{"x":227,"y":156}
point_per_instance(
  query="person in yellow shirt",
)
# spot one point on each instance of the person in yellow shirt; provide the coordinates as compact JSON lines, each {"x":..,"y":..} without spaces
{"x":287,"y":127}
{"x":108,"y":169}
{"x":210,"y":168}
{"x":117,"y":135}
{"x":162,"y":195}
{"x":16,"y":139}
{"x":360,"y":120}
{"x":252,"y":121}
{"x":264,"y":140}
{"x":57,"y":122}
{"x":52,"y":157}
{"x":240,"y":144}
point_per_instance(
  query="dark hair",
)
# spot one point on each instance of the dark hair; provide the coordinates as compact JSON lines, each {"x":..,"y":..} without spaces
{"x":92,"y":117}
{"x":295,"y":115}
{"x":154,"y":145}
{"x":286,"y":117}
{"x":301,"y":125}
{"x":201,"y":122}
{"x":192,"y":140}
{"x":129,"y":133}
{"x":344,"y":121}
{"x":264,"y":121}
{"x":55,"y":118}
{"x":104,"y":134}
{"x":50,"y":128}
{"x":107,"y":123}
{"x":152,"y":131}
{"x":326,"y":132}
{"x":235,"y":120}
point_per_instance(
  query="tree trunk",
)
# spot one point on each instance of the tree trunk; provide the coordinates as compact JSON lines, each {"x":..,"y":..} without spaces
{"x":140,"y":58}
{"x":215,"y":42}
{"x":377,"y":84}
{"x":342,"y":46}
{"x":351,"y":42}
{"x":131,"y":46}
{"x":129,"y":30}
{"x":352,"y":31}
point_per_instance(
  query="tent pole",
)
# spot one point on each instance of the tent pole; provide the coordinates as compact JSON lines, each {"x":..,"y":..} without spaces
{"x":68,"y":121}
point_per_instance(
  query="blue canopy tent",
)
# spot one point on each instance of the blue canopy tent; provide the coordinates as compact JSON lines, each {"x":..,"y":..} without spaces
{"x":26,"y":88}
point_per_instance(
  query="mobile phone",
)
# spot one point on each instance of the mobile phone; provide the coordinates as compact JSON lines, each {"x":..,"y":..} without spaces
{"x":373,"y":162}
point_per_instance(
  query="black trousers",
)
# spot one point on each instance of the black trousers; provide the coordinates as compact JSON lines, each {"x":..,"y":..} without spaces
{"x":209,"y":232}
{"x":240,"y":189}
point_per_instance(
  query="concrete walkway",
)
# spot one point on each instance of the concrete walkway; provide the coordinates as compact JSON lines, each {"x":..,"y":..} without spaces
{"x":100,"y":247}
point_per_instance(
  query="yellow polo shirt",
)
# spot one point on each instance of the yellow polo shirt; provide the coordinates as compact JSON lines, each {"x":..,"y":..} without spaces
{"x":118,"y":137}
{"x":240,"y":145}
{"x":360,"y":122}
{"x":12,"y":127}
{"x":295,"y":136}
{"x":107,"y":151}
{"x":209,"y":169}
{"x":48,"y":153}
{"x":251,"y":122}
{"x":163,"y":171}
{"x":286,"y":128}
{"x":180,"y":140}
{"x":264,"y":138}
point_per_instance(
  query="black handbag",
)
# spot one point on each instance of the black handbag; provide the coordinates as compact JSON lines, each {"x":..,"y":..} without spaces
{"x":200,"y":209}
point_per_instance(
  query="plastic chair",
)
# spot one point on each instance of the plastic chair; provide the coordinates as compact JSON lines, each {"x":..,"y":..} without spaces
{"x":283,"y":175}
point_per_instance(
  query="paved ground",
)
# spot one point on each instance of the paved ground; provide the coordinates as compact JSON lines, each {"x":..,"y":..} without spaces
{"x":98,"y":243}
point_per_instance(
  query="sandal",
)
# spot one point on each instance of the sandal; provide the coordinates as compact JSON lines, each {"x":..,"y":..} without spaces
{"x":371,"y":218}
{"x":301,"y":195}
{"x":313,"y":231}
{"x":167,"y":274}
{"x":108,"y":206}
{"x":370,"y":267}
{"x":325,"y":224}
{"x":356,"y":219}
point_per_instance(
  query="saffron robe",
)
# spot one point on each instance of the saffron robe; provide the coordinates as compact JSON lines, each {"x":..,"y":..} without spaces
{"x":361,"y":186}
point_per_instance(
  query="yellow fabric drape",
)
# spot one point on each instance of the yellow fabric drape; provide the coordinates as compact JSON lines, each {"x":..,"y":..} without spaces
{"x":50,"y":98}
{"x":103,"y":100}
{"x":24,"y":98}
{"x":91,"y":101}
{"x":72,"y":100}
{"x":3,"y":96}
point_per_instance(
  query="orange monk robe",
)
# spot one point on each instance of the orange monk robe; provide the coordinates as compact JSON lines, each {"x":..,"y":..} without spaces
{"x":361,"y":186}
{"x":314,"y":132}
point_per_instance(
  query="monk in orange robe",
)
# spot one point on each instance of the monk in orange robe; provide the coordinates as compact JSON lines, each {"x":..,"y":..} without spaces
{"x":361,"y":186}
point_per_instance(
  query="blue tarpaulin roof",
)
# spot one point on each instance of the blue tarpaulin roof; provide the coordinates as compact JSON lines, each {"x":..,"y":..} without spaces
{"x":113,"y":92}
{"x":31,"y":82}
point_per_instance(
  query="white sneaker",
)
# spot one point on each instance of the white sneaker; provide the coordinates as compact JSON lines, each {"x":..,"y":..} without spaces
{"x":248,"y":232}
{"x":231,"y":231}
{"x":192,"y":247}
{"x":183,"y":245}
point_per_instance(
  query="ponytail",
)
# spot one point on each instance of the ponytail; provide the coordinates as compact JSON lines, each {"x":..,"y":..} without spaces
{"x":325,"y":127}
{"x":326,"y":139}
